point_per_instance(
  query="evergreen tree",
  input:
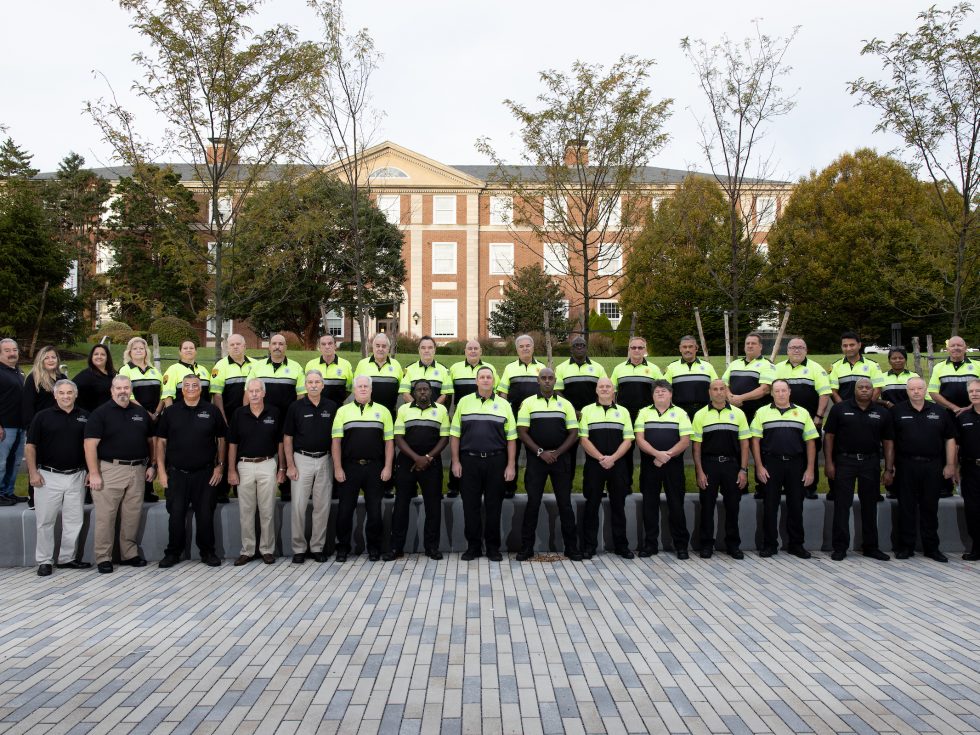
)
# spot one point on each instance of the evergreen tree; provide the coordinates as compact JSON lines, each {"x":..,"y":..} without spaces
{"x":15,"y":162}
{"x":530,"y":292}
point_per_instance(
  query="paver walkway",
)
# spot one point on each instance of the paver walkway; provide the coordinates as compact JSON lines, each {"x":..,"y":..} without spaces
{"x":659,"y":645}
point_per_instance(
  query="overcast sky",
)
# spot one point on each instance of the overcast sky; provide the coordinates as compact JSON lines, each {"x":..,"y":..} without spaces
{"x":448,"y":65}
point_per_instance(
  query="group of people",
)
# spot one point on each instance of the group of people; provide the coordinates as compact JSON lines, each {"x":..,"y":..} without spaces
{"x":268,"y":425}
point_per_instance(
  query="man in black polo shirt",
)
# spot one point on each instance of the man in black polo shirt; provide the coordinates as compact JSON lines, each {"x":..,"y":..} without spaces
{"x":191,"y":455}
{"x":421,"y":433}
{"x":11,"y":420}
{"x":119,"y":455}
{"x":55,"y":458}
{"x":256,"y":464}
{"x":547,"y":426}
{"x":306,"y":443}
{"x":856,"y":429}
{"x":925,"y":454}
{"x":968,"y":426}
{"x":363,"y":452}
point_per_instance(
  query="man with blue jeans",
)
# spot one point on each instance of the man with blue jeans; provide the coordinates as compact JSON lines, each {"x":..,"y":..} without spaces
{"x":12,"y":427}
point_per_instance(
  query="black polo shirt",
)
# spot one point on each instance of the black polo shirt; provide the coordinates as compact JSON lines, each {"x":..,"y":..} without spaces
{"x":192,"y":434}
{"x":309,"y":425}
{"x":857,"y":430}
{"x":968,"y":435}
{"x":922,"y":433}
{"x":94,"y":388}
{"x":122,"y":432}
{"x":548,"y":420}
{"x":58,"y":437}
{"x":256,"y":436}
{"x":11,"y":397}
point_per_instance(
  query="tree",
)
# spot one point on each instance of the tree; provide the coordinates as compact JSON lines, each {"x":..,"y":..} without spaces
{"x":34,"y":303}
{"x":79,"y":198}
{"x":741,"y":85}
{"x":672,"y":265}
{"x":292,"y":256}
{"x":150,"y":227}
{"x":233,"y":100}
{"x":932,"y":102}
{"x":526,"y":297}
{"x":341,"y":113}
{"x":587,"y":143}
{"x":848,"y":252}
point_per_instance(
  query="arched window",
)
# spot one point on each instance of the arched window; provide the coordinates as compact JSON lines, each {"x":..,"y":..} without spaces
{"x":388,"y":172}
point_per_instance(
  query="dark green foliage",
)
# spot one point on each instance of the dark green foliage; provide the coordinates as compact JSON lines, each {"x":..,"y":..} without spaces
{"x":530,"y":292}
{"x":172,"y":331}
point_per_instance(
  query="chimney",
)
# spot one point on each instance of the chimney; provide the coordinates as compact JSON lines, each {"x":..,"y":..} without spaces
{"x":577,"y":153}
{"x":218,"y":151}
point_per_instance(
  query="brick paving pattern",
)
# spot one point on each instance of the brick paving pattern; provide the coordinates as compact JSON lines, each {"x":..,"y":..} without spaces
{"x":418,"y":646}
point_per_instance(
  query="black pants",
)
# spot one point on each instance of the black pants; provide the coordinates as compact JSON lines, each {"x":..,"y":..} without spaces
{"x":919,"y":484}
{"x":535,"y":476}
{"x":818,"y":445}
{"x":721,"y":476}
{"x":366,"y":477}
{"x":784,"y":475}
{"x":970,"y":489}
{"x":511,"y":486}
{"x":482,"y":490}
{"x":670,"y":477}
{"x":595,"y":479}
{"x":190,"y":491}
{"x":406,"y":484}
{"x":866,"y":473}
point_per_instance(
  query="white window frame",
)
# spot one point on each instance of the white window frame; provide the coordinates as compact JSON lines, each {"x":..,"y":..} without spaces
{"x":71,"y":282}
{"x":555,"y":257}
{"x":449,"y":316}
{"x":226,"y":208}
{"x":609,"y":260}
{"x":492,"y":305}
{"x":612,"y":320}
{"x":334,"y":324}
{"x":391,"y":207}
{"x":656,"y":201}
{"x":609,"y":216}
{"x":211,"y":328}
{"x":104,"y":258}
{"x":566,"y":305}
{"x":443,"y":209}
{"x":501,"y":209}
{"x":765,"y":212}
{"x":501,"y":258}
{"x":444,"y":258}
{"x":554,"y":210}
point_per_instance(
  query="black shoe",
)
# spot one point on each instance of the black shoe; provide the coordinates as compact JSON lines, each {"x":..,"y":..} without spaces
{"x":626,"y":554}
{"x":644,"y":553}
{"x":7,"y":500}
{"x":682,"y":554}
{"x":470,"y":555}
{"x":767,"y":552}
{"x":831,"y":495}
{"x":839,"y":555}
{"x":19,"y":498}
{"x":211,"y":560}
{"x":799,"y":552}
{"x":374,"y":556}
{"x":30,"y":503}
{"x":136,"y":561}
{"x":105,"y":567}
{"x":706,"y":552}
{"x":759,"y":495}
{"x":434,"y":554}
{"x":509,"y":494}
{"x":74,"y":564}
{"x":269,"y":558}
{"x":222,"y":499}
{"x":392,"y":555}
{"x":319,"y":556}
{"x":452,"y":494}
{"x":341,"y":557}
{"x":150,"y":498}
{"x":877,"y":554}
{"x":575,"y":555}
{"x":524,"y":555}
{"x":588,"y":553}
{"x":495,"y":556}
{"x":903,"y":554}
{"x":972,"y":556}
{"x":299,"y":558}
{"x":168,"y":561}
{"x":881,"y":498}
{"x":44,"y":570}
{"x":811,"y":495}
{"x":936,"y":555}
{"x":891,"y":496}
{"x":389,"y":495}
{"x":737,"y":554}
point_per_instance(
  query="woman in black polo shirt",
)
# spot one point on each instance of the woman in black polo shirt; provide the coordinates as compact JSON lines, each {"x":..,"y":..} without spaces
{"x":95,"y":382}
{"x":38,"y":392}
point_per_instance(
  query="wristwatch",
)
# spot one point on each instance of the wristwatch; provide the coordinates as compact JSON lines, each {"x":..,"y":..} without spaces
{"x":744,"y":469}
{"x":540,"y":452}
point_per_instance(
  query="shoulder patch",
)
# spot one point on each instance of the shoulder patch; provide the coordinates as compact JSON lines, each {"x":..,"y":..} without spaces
{"x":214,"y":372}
{"x":166,"y":378}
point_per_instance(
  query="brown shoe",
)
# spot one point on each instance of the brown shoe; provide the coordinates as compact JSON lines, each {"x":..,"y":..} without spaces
{"x":243,"y":560}
{"x":268,"y":558}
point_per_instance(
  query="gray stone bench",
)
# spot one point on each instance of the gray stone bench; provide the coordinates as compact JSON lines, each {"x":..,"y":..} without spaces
{"x":18,"y":529}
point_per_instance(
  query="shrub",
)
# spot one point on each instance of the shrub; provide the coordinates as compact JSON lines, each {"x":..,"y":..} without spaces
{"x":406,"y":344}
{"x":601,"y":345}
{"x":621,"y":339}
{"x":599,"y":323}
{"x":172,"y":330}
{"x":456,"y":347}
{"x":117,"y":332}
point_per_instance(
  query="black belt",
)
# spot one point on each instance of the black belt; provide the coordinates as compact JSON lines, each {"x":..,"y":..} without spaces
{"x":860,"y":456}
{"x":917,"y":458}
{"x":315,"y":455}
{"x":60,"y":472}
{"x":126,"y":462}
{"x":484,"y":455}
{"x":963,"y":460}
{"x":783,"y":457}
{"x":253,"y":460}
{"x":364,"y":461}
{"x":720,"y":457}
{"x":209,"y":467}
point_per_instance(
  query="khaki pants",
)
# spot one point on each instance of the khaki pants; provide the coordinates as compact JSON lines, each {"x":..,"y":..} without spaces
{"x":316,"y":479}
{"x":257,"y":491}
{"x":122,"y":493}
{"x":64,"y":494}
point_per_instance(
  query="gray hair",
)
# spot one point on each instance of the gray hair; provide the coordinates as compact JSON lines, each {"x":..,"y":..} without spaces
{"x":120,"y":379}
{"x":314,"y":372}
{"x":65,"y":381}
{"x":528,"y":337}
{"x":255,"y":380}
{"x":11,"y":340}
{"x":381,"y":334}
{"x":362,"y":378}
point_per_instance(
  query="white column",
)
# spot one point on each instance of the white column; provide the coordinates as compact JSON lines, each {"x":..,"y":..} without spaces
{"x":471,"y":301}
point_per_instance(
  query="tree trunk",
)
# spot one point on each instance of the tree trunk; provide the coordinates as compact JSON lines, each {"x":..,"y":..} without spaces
{"x":958,"y":284}
{"x":40,"y":317}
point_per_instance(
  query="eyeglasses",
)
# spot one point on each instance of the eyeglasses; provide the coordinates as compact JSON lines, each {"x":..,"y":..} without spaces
{"x":640,"y":347}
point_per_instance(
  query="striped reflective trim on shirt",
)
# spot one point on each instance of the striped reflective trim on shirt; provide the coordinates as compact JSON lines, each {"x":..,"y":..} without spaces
{"x":691,"y":378}
{"x":364,"y":425}
{"x":782,"y":424}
